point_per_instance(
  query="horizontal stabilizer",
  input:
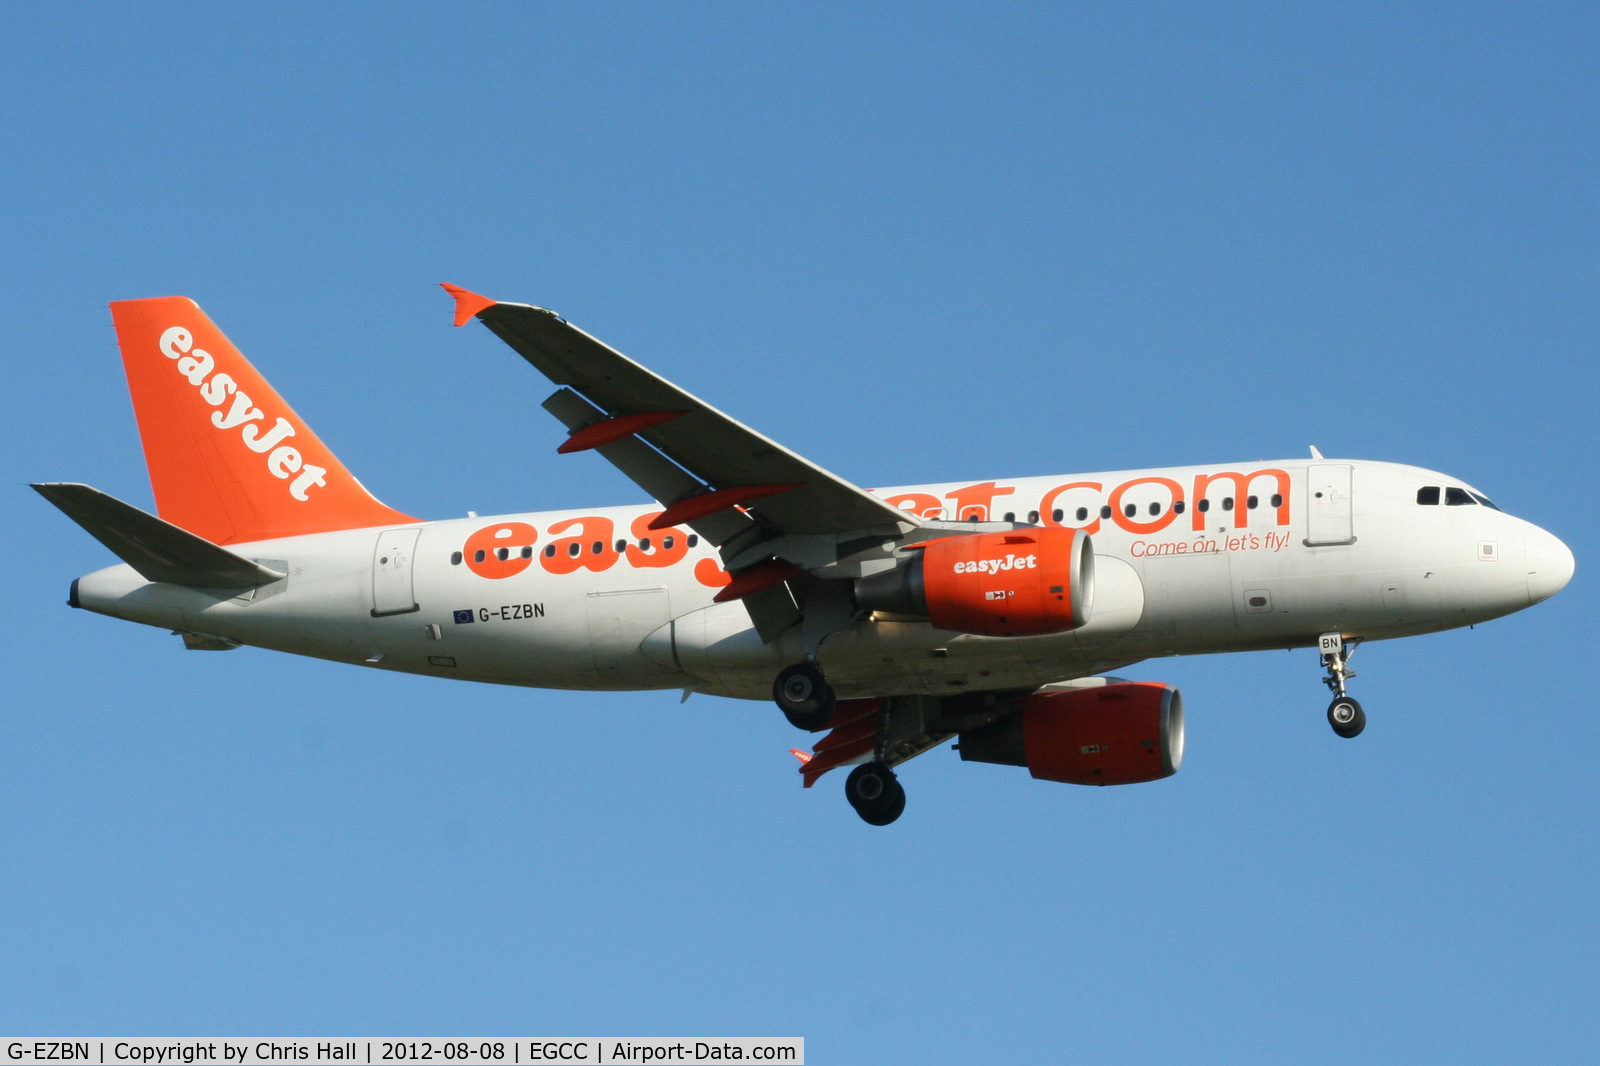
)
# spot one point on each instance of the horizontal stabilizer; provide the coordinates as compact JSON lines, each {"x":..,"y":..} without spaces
{"x":159,"y":550}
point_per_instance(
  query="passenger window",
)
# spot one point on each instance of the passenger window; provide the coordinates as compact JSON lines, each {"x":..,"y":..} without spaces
{"x":1155,"y":508}
{"x":1055,"y":516}
{"x":644,"y":544}
{"x":549,"y":551}
{"x":1130,"y":509}
{"x":1177,"y":508}
{"x":1454,"y":497}
{"x":1033,"y":518}
{"x":502,"y":554}
{"x":1011,"y":516}
{"x":694,"y":538}
{"x":622,"y":546}
{"x":1204,"y":505}
{"x":527,"y":552}
{"x":1083,"y":514}
{"x":574,"y":549}
{"x":1227,"y":503}
{"x":598,"y":547}
{"x":1251,"y":503}
{"x":477,"y":556}
{"x":1105,"y":512}
{"x":667,"y":542}
{"x":1277,"y":500}
{"x":1428,"y":496}
{"x":455,"y":558}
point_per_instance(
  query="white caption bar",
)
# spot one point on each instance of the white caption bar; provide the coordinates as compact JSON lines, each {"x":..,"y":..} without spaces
{"x":388,"y":1051}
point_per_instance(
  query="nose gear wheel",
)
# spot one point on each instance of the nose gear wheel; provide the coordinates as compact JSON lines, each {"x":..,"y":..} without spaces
{"x":1344,"y":714}
{"x":1346,"y":717}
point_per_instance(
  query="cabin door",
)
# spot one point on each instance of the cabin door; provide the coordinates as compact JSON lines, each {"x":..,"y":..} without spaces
{"x":392,"y":592}
{"x":1328,"y":505}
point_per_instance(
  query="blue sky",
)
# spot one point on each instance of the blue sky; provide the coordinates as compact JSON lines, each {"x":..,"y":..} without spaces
{"x":914,"y":243}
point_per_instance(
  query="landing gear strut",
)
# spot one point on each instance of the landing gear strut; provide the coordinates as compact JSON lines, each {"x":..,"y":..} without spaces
{"x":804,"y":696}
{"x":875,"y":793}
{"x":1344,"y":714}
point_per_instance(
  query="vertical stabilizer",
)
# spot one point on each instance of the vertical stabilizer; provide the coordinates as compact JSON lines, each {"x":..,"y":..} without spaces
{"x":228,"y":459}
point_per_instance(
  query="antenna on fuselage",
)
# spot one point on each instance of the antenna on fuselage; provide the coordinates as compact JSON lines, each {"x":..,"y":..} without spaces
{"x":1314,"y":453}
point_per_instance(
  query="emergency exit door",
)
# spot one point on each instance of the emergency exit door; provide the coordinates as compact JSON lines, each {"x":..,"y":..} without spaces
{"x":619,"y":619}
{"x":392,"y":592}
{"x":1328,"y":518}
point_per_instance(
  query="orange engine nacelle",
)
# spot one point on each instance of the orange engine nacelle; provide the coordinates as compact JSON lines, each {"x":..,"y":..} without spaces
{"x":1116,"y":734}
{"x":1016,"y":584}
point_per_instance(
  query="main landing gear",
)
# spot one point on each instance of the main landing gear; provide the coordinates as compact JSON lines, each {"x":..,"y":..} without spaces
{"x":804,"y":696}
{"x":875,"y":793}
{"x":807,"y":700}
{"x":1344,"y":714}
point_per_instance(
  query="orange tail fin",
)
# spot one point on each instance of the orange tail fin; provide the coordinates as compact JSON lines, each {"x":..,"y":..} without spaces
{"x":228,"y":459}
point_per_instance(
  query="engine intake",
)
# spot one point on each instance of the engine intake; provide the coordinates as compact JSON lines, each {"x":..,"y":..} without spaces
{"x":1117,"y":734}
{"x":1016,"y":584}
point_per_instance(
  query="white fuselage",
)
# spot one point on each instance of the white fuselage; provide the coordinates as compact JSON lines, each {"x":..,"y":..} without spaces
{"x":1328,"y":546}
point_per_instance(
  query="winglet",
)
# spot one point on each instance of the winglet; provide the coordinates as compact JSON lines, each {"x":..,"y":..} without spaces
{"x":468,"y":304}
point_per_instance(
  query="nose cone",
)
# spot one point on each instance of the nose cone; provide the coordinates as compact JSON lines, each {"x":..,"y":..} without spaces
{"x":1549,"y":564}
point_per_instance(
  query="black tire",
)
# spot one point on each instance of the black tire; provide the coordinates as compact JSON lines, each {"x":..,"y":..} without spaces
{"x":893,"y":808}
{"x":804,"y":696}
{"x":875,"y":793}
{"x":1346,"y":717}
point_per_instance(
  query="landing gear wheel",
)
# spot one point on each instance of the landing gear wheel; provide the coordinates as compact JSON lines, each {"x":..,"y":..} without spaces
{"x":1346,"y":717}
{"x":804,"y":696}
{"x":875,"y":793}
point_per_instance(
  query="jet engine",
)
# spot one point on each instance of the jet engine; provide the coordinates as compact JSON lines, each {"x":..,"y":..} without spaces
{"x":1015,"y":584}
{"x":1116,"y":734}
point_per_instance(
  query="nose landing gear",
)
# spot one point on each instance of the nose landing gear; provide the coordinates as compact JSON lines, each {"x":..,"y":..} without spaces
{"x":1344,"y":714}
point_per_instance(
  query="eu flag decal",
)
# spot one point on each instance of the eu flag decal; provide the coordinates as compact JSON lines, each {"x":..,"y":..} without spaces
{"x":463,"y":617}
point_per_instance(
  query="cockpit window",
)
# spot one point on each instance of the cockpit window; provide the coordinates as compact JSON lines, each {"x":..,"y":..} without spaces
{"x":1454,"y":497}
{"x":1481,"y":498}
{"x":1428,"y":495}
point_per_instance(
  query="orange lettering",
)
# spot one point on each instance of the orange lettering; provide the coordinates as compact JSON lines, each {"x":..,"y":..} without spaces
{"x":974,"y":501}
{"x":588,"y":549}
{"x":496,"y":551}
{"x":659,"y":554}
{"x":709,"y":574}
{"x":1047,"y":505}
{"x":1161,"y":522}
{"x":1241,"y":489}
{"x":918,"y":503}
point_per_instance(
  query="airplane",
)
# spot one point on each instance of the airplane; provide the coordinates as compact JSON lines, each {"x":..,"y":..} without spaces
{"x":890,"y":621}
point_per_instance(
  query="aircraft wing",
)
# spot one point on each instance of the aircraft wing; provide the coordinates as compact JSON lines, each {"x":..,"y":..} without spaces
{"x":707,"y":464}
